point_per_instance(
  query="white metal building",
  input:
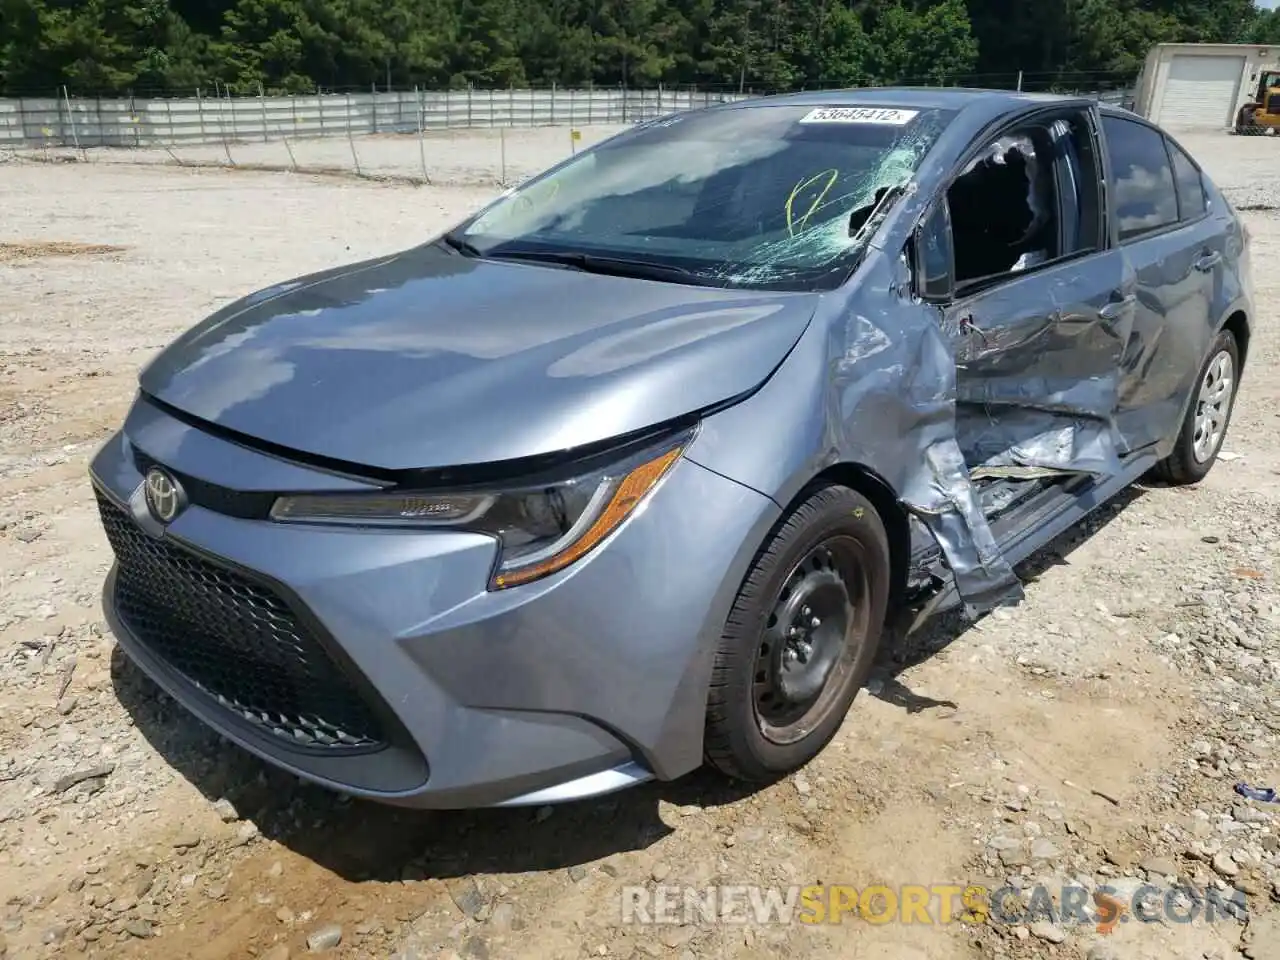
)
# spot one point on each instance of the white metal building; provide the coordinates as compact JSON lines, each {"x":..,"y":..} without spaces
{"x":1191,"y":86}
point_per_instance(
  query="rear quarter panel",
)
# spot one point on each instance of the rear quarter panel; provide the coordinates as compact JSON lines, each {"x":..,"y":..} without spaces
{"x":1234,"y":297}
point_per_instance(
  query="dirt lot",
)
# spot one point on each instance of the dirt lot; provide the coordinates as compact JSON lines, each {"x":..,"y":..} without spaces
{"x":1090,"y":736}
{"x":458,"y":157}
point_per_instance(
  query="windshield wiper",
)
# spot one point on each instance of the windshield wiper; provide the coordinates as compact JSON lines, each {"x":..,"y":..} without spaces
{"x":609,"y":266}
{"x":464,"y":247}
{"x":587,"y":262}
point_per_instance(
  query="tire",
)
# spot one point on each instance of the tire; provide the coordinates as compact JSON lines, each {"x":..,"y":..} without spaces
{"x":831,"y":556}
{"x":1190,"y":461}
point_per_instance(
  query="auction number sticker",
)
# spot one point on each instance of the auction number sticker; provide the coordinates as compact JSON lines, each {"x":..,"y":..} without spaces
{"x":879,"y":115}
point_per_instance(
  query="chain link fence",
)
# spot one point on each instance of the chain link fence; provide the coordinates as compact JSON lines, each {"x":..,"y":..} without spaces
{"x":465,"y":137}
{"x":416,"y":136}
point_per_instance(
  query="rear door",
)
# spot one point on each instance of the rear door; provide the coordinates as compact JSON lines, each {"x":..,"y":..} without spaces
{"x":1174,"y":250}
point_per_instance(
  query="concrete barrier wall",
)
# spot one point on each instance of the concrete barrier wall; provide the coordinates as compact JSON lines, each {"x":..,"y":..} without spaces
{"x":31,"y":122}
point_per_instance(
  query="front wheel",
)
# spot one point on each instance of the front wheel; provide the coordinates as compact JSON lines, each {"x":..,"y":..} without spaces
{"x":800,"y":639}
{"x":1200,"y":438}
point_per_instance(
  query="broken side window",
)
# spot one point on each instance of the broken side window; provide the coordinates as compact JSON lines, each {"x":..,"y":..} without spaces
{"x":1004,"y":209}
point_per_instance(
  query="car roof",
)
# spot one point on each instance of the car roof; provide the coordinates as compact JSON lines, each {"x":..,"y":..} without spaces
{"x":944,"y":98}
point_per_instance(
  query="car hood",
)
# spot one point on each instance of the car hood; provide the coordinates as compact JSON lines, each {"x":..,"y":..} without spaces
{"x":430,"y":359}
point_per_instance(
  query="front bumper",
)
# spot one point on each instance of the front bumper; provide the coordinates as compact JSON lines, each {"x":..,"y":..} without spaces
{"x":577,"y":685}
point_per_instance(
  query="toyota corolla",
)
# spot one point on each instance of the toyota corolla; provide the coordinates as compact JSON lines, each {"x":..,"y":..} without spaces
{"x":631,"y":469}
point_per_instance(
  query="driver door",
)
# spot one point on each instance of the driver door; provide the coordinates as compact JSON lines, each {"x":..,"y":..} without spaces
{"x":1038,"y":344}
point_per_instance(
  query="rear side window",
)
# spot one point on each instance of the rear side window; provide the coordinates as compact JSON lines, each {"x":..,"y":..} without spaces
{"x":1191,"y":200}
{"x":1142,"y":185}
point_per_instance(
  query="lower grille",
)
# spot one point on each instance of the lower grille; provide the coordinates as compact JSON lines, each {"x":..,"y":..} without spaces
{"x":236,"y":640}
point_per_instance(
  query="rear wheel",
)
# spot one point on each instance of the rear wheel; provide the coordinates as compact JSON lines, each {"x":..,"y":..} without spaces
{"x":1200,"y":439}
{"x":800,"y":639}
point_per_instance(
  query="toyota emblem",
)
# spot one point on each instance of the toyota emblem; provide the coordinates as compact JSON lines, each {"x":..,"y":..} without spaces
{"x":164,"y":495}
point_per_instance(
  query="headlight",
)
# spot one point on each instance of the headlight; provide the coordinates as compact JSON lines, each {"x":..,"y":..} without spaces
{"x":541,"y":527}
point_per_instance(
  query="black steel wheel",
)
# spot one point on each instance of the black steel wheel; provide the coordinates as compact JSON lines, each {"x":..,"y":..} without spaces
{"x":801,"y":637}
{"x":810,"y":641}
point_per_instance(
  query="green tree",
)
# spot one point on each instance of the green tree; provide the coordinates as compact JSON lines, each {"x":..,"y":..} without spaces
{"x":1263,"y":28}
{"x":839,"y":51}
{"x":750,"y":45}
{"x":556,"y":44}
{"x":88,"y":45}
{"x":275,"y":43}
{"x":1112,"y":39}
{"x":928,"y":45}
{"x":487,"y":53}
{"x":103,"y":46}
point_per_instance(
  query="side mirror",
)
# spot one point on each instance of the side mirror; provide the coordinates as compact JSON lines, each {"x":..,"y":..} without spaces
{"x":935,"y":256}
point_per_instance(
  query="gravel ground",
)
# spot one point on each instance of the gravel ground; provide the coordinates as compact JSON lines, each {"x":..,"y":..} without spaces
{"x":1090,"y":736}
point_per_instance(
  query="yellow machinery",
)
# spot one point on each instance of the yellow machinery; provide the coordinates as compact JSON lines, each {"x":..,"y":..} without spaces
{"x":1262,"y":114}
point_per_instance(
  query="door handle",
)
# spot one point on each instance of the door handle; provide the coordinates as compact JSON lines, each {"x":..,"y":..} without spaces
{"x":1115,"y":309}
{"x":1208,"y":261}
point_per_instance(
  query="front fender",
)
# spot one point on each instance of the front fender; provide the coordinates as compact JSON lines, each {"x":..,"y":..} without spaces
{"x":776,"y":440}
{"x":871,"y":381}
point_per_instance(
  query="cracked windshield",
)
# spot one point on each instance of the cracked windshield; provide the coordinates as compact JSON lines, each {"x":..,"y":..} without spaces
{"x":756,"y":197}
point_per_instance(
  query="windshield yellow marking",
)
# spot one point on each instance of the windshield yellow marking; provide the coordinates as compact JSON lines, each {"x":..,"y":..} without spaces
{"x":529,"y":200}
{"x":801,"y":185}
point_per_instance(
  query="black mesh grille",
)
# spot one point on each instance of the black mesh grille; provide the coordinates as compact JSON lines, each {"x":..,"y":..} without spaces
{"x":235,"y":639}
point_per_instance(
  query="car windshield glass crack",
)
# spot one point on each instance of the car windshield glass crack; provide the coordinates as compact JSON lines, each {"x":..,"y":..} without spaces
{"x":776,"y":197}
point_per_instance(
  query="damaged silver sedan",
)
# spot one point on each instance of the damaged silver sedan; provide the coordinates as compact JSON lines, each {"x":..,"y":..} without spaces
{"x":632,"y":469}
